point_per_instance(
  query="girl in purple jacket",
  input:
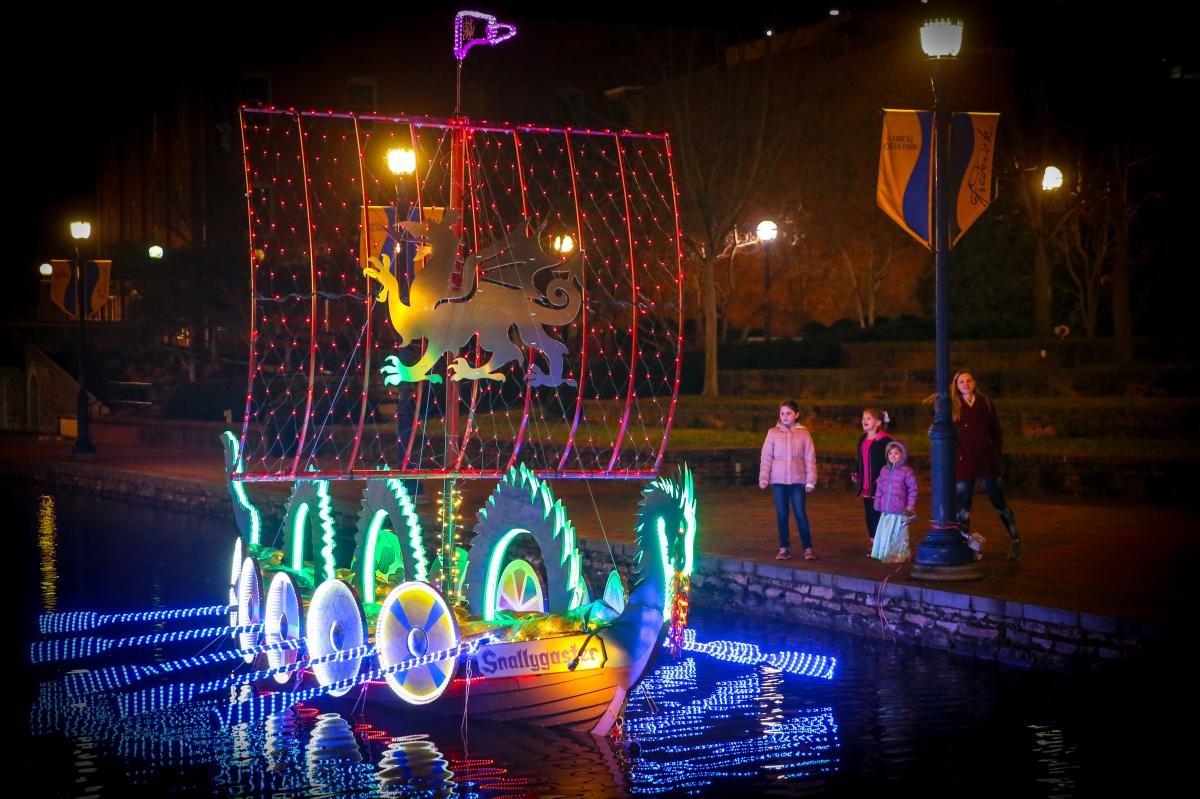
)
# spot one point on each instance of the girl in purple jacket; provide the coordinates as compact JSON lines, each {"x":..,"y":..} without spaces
{"x":896,"y":501}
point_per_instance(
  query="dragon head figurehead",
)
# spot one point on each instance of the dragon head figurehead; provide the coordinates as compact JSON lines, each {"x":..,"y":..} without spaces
{"x":666,"y":536}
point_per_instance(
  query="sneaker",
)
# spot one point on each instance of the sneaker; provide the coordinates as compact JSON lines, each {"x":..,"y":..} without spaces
{"x":1014,"y":549}
{"x":783,"y":554}
{"x":809,"y":554}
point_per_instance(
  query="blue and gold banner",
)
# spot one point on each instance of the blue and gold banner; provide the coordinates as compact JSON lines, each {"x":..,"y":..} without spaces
{"x":380,"y":237}
{"x":972,"y":140}
{"x":96,"y":275}
{"x":905,"y":166}
{"x":904,"y":191}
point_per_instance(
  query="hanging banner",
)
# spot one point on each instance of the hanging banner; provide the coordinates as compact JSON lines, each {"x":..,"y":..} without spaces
{"x":905,"y":187}
{"x":379,"y":237}
{"x":905,"y":166}
{"x":972,"y":139}
{"x":96,"y":277}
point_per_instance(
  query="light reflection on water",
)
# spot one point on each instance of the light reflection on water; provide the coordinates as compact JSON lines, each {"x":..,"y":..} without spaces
{"x":673,"y":721}
{"x":47,"y":537}
{"x":697,"y":726}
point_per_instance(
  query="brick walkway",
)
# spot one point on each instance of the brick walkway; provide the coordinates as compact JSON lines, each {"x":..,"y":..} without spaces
{"x":1110,"y":559}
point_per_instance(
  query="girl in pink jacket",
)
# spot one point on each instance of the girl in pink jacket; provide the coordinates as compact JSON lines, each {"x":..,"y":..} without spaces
{"x":789,"y":465}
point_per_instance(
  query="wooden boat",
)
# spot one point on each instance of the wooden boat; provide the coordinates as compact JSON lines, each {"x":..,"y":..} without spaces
{"x":509,"y":309}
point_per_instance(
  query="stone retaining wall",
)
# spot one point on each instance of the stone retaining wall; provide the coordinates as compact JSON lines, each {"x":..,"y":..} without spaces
{"x":887,"y":384}
{"x":1116,"y":417}
{"x":1008,"y":353}
{"x":1016,"y":633}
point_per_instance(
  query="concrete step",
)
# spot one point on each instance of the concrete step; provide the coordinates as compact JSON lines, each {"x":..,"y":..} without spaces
{"x":898,"y":385}
{"x":1017,"y":353}
{"x":1120,"y":417}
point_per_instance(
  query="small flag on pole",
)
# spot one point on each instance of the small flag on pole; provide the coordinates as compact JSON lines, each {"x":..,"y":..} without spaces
{"x":96,"y":278}
{"x":475,"y":27}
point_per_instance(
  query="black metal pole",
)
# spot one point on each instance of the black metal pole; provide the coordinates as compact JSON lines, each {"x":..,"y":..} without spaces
{"x":767,"y":290}
{"x":83,"y":447}
{"x":943,"y":554}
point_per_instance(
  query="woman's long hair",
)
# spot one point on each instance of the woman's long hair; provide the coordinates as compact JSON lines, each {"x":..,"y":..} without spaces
{"x":956,"y":397}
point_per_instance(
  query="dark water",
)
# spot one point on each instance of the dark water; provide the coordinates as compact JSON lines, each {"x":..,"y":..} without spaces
{"x":891,"y":716}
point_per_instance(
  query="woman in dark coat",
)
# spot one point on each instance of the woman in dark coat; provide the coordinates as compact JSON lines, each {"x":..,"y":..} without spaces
{"x":980,"y":451}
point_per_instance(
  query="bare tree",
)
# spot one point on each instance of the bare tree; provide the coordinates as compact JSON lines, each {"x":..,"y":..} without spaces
{"x":1123,"y":206}
{"x":865,"y":260}
{"x":1086,"y":245}
{"x":729,"y":126}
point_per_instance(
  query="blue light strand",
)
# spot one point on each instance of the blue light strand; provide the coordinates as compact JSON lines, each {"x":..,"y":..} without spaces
{"x":258,"y":707}
{"x":158,"y":697}
{"x":114,"y":678}
{"x":78,"y":648}
{"x":81,"y":620}
{"x":803,"y":664}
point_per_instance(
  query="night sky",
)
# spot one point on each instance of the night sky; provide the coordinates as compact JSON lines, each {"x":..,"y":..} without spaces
{"x":1104,"y":70}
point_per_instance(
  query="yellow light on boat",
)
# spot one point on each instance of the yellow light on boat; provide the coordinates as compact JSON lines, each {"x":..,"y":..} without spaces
{"x":81,"y":230}
{"x":155,"y":252}
{"x":941,"y":38}
{"x":1052,"y":178}
{"x":46,"y":270}
{"x":564,"y":244}
{"x":401,"y":161}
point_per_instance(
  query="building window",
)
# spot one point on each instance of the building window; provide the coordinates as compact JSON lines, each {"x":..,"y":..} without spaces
{"x":362,"y":95}
{"x":254,"y":89}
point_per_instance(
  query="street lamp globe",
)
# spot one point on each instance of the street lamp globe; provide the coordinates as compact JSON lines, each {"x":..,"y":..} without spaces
{"x":45,"y":270}
{"x":81,"y":230}
{"x":941,"y":38}
{"x":1052,"y":178}
{"x":155,"y":251}
{"x":564,"y":244}
{"x":767,"y":230}
{"x":401,"y":161}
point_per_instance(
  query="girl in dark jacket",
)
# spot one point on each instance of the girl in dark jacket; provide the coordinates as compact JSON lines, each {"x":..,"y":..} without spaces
{"x":980,"y":450}
{"x":869,"y":459}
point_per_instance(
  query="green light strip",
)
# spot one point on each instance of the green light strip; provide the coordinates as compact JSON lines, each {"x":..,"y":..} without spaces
{"x":368,"y":566}
{"x":298,"y":536}
{"x":493,"y":571}
{"x":414,"y":530}
{"x":239,"y":491}
{"x":325,"y":514}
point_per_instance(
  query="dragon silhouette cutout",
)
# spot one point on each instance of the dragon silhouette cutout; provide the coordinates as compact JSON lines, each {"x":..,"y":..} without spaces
{"x":511,"y":292}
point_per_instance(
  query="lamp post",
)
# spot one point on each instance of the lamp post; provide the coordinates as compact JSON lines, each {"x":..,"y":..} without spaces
{"x":401,"y":162}
{"x":1052,"y":181}
{"x":83,"y":447}
{"x":943,"y":554}
{"x":767,"y":231}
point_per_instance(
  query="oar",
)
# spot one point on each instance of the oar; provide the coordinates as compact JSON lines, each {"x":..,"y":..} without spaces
{"x":81,"y":620}
{"x":115,"y":678}
{"x":75,"y":648}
